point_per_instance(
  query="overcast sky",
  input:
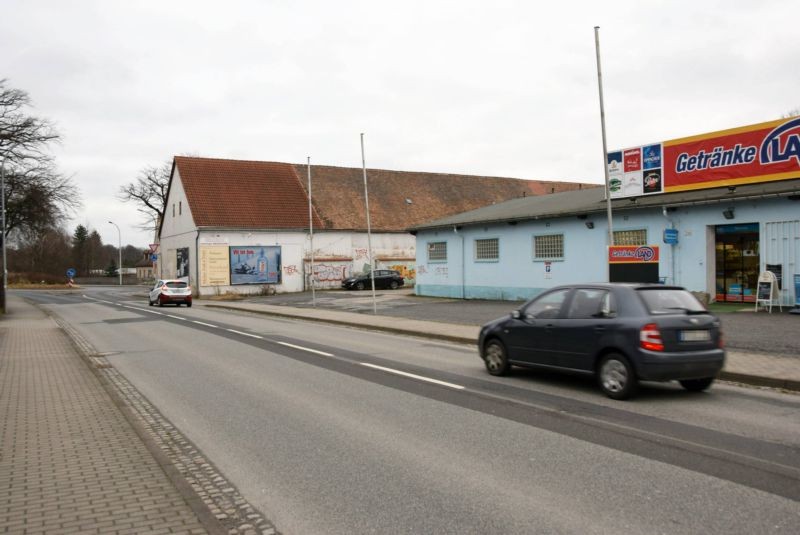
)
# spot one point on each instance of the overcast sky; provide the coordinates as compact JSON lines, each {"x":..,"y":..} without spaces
{"x":502,"y":88}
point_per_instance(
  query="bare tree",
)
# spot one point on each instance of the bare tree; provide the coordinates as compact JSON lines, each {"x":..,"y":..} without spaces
{"x":37,"y":196}
{"x":149,"y":193}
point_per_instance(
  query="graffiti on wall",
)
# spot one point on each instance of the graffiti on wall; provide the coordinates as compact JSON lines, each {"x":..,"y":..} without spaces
{"x":407,"y":272}
{"x":291,"y":270}
{"x":329,"y":273}
{"x":422,"y":269}
{"x":359,"y":253}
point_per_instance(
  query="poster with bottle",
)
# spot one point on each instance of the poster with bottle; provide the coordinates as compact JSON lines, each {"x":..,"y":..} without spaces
{"x":614,"y":160}
{"x":255,"y":264}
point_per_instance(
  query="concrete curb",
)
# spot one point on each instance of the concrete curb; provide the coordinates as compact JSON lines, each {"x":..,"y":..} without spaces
{"x":753,"y":380}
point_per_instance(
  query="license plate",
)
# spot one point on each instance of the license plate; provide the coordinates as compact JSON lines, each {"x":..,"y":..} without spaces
{"x":695,"y":336}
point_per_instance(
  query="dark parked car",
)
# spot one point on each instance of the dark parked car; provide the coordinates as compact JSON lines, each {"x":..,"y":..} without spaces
{"x":621,"y":333}
{"x":384,"y":278}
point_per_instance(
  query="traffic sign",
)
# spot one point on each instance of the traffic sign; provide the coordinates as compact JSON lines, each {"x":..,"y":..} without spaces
{"x":153,"y":247}
{"x":671,"y":236}
{"x":71,"y":272}
{"x":153,"y":257}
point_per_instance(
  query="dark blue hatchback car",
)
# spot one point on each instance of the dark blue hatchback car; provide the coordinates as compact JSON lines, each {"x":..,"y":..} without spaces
{"x":621,"y":333}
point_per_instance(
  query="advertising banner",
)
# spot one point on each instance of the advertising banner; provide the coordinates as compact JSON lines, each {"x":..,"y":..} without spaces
{"x":215,"y":267}
{"x":757,"y":153}
{"x":637,"y":254}
{"x":260,"y":264}
{"x":182,"y":261}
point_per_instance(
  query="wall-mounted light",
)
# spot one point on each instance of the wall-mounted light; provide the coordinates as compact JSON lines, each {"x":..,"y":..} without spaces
{"x":728,"y":214}
{"x":731,"y":189}
{"x":589,"y":224}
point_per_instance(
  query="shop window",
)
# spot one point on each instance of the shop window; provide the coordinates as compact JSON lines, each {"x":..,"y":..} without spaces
{"x":630,"y":237}
{"x":437,"y":251}
{"x":548,"y":247}
{"x":487,"y":249}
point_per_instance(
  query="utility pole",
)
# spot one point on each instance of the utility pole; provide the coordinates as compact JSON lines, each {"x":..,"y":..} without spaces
{"x":369,"y":230}
{"x":119,"y":269}
{"x":603,"y":129}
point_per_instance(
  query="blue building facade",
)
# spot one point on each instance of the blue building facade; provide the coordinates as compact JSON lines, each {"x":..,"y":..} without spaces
{"x":514,"y":250}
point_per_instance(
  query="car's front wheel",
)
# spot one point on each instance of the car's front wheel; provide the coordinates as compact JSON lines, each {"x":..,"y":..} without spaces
{"x":149,"y":301}
{"x":696,"y":385}
{"x":496,"y":358}
{"x":393,"y":285}
{"x":359,"y":286}
{"x":616,"y":377}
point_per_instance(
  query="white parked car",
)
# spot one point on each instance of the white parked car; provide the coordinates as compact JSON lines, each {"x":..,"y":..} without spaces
{"x":168,"y":291}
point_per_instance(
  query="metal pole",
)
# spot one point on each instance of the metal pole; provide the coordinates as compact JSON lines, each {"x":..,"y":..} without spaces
{"x":3,"y":198}
{"x":311,"y":237}
{"x":603,"y":128}
{"x":120,"y":252}
{"x":369,"y":230}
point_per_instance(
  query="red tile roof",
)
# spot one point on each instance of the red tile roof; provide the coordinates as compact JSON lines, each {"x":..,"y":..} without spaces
{"x":270,"y":195}
{"x":244,"y":194}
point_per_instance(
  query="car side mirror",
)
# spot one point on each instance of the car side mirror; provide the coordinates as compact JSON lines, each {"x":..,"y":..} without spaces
{"x":516,"y":314}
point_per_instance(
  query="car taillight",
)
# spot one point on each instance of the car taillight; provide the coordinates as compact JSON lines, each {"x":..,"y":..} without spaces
{"x":650,"y":338}
{"x":164,"y":288}
{"x":721,"y":342}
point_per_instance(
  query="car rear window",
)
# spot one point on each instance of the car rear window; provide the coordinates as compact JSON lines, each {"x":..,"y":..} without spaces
{"x":670,"y":301}
{"x":177,"y":284}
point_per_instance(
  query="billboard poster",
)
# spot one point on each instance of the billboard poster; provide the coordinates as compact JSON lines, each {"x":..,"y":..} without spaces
{"x":259,"y":264}
{"x":214,"y":265}
{"x":761,"y":152}
{"x":615,"y":173}
{"x":182,"y":263}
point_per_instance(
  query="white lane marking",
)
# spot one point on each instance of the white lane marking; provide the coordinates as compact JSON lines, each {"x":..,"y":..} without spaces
{"x":176,"y":317}
{"x":245,"y":334}
{"x":152,"y":311}
{"x":306,"y":349}
{"x":206,"y":324}
{"x":411,"y":375}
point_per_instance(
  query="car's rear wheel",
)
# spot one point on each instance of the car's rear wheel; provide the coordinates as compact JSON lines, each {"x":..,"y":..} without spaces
{"x":496,"y":358}
{"x":696,"y":385}
{"x":393,"y":285}
{"x":160,"y":302}
{"x":359,"y":286}
{"x":189,"y":304}
{"x":149,"y":301}
{"x":616,"y":377}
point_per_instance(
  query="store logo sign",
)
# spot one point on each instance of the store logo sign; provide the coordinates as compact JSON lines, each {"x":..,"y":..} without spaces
{"x":782,"y":144}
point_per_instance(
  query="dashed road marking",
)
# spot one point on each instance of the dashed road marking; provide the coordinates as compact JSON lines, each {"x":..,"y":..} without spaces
{"x":245,"y":334}
{"x":205,"y":324}
{"x":412,"y":376}
{"x":287,"y":344}
{"x":176,"y":317}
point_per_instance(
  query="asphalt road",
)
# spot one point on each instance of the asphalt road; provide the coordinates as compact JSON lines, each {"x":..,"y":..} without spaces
{"x":318,"y":430}
{"x":744,"y":329}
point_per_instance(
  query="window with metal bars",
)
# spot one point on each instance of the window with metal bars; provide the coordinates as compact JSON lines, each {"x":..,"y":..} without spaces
{"x":437,"y":251}
{"x":487,"y":249}
{"x":630,"y":237}
{"x":548,"y":247}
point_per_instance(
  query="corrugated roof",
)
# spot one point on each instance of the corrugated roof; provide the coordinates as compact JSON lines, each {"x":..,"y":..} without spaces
{"x":244,"y":194}
{"x":589,"y":201}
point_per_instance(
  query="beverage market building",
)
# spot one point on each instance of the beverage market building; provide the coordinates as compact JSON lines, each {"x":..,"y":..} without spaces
{"x":708,"y":212}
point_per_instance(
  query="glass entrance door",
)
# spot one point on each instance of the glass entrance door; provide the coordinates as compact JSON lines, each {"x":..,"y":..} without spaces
{"x":737,"y":262}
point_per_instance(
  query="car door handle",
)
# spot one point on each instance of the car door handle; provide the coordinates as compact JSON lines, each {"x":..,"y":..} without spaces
{"x":599,"y":329}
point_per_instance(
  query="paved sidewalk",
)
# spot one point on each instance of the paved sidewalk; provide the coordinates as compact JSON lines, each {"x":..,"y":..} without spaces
{"x":778,"y":371}
{"x":69,"y":460}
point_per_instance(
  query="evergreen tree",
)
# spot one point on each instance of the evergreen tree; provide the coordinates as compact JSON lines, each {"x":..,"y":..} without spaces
{"x":80,"y":250}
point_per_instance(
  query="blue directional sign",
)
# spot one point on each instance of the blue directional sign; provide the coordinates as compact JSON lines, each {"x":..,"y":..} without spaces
{"x":153,"y":257}
{"x":71,"y":272}
{"x":671,"y":235}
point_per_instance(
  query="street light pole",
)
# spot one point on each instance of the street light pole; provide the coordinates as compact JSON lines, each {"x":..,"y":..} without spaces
{"x":3,"y":210}
{"x":120,"y":252}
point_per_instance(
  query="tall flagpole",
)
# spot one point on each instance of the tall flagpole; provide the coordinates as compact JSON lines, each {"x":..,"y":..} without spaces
{"x":369,"y":230}
{"x":603,"y":128}
{"x":311,"y":236}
